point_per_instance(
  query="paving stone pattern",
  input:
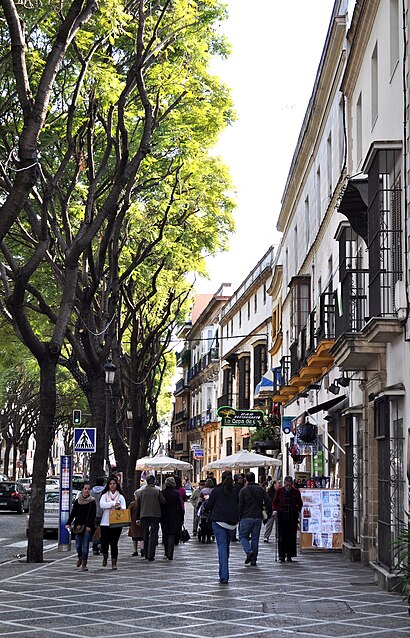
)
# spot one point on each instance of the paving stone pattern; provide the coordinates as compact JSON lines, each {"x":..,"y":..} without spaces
{"x":320,"y":595}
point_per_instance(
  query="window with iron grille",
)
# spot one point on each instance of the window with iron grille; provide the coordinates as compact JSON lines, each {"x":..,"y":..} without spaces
{"x":385,"y":231}
{"x":300,"y":291}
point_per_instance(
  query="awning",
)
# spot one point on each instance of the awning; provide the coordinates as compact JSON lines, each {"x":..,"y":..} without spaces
{"x":326,"y":405}
{"x":354,"y":206}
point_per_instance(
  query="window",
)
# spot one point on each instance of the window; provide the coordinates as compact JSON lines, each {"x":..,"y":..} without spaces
{"x":259,"y":362}
{"x":228,"y":447}
{"x":307,"y":220}
{"x":249,"y":309}
{"x":231,"y":327}
{"x":240,"y":318}
{"x":295,"y":247}
{"x":341,"y":134}
{"x":318,"y":198}
{"x":329,"y":160}
{"x":227,"y":387}
{"x":300,"y":290}
{"x":394,"y":35}
{"x":244,"y":369}
{"x":359,"y":131}
{"x":264,"y":294}
{"x":375,"y":85}
{"x":255,"y":303}
{"x":286,"y":273}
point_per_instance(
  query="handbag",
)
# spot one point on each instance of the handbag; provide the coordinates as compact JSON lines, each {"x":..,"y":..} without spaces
{"x":79,"y":529}
{"x":120,"y":518}
{"x":97,"y":534}
{"x":184,"y":535}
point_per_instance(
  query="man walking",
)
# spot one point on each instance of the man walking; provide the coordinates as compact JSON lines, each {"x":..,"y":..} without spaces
{"x":150,"y":500}
{"x":273,"y":520}
{"x":252,"y":499}
{"x":287,"y":503}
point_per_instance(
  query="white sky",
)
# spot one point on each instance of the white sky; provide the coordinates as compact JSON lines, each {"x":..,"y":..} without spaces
{"x":276,"y":52}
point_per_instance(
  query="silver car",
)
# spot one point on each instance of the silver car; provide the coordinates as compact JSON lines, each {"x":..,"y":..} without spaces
{"x":52,"y":510}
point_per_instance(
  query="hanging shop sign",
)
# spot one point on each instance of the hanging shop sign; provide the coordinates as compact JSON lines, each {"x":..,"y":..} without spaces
{"x":240,"y":418}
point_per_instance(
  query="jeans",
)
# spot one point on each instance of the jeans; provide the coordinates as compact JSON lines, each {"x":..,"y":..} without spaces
{"x":150,"y":528}
{"x":82,"y":544}
{"x":250,"y":528}
{"x":223,"y":538}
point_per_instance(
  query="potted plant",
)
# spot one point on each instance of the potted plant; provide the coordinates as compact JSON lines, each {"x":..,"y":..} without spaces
{"x":402,"y":554}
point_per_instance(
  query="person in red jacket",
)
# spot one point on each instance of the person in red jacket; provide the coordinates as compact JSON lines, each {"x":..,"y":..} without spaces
{"x":287,"y":503}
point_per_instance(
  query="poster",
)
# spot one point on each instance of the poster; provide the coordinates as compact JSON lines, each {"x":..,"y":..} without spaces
{"x":321,"y":518}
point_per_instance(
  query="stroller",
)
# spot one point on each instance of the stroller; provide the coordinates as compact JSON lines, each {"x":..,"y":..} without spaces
{"x":205,"y":533}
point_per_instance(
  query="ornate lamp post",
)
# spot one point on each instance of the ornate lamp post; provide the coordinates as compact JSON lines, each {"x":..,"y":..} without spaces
{"x":109,"y":370}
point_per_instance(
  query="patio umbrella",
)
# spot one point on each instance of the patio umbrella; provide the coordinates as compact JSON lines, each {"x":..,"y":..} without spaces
{"x":243,"y":460}
{"x":162,"y":463}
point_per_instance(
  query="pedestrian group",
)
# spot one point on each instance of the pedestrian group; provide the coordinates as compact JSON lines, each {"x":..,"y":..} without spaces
{"x":235,"y":509}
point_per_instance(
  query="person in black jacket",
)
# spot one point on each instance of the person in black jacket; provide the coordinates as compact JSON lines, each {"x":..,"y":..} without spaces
{"x":83,"y":514}
{"x":223,"y":507}
{"x":171,"y":516}
{"x":252,"y":500}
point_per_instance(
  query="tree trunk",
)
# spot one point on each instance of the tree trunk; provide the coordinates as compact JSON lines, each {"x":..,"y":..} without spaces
{"x":97,"y":403}
{"x":7,"y":457}
{"x":44,"y":439}
{"x":14,"y":474}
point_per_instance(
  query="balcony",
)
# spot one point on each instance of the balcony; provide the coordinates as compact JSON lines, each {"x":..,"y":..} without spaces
{"x":181,"y":416}
{"x":360,"y":340}
{"x":181,"y":387}
{"x":210,"y":357}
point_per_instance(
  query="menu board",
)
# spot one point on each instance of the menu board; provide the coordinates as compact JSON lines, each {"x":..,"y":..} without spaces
{"x":321,"y":524}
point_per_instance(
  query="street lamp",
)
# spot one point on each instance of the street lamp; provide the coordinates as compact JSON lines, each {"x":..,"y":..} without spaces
{"x":109,"y":370}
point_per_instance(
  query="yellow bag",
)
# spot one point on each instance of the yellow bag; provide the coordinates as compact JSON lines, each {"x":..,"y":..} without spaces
{"x":120,"y":518}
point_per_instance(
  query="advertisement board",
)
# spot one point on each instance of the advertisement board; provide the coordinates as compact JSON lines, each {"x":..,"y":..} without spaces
{"x":321,"y":525}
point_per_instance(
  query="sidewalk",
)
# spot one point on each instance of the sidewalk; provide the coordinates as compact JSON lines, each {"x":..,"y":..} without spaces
{"x":320,"y":595}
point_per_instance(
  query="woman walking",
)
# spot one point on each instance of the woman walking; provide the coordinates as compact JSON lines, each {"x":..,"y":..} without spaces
{"x":111,"y":499}
{"x":171,"y":517}
{"x":223,"y":508}
{"x":83,"y":515}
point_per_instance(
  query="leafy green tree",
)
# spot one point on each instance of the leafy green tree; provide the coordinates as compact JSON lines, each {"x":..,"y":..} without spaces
{"x":102,"y":108}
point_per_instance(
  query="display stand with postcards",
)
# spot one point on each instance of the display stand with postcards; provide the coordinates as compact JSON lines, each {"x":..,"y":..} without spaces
{"x":321,"y":523}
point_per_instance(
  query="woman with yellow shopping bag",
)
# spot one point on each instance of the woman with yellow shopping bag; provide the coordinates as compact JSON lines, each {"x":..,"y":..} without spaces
{"x":111,"y":502}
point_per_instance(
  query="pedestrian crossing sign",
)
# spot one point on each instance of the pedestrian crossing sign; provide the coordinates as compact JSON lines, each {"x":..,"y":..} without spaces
{"x":84,"y":439}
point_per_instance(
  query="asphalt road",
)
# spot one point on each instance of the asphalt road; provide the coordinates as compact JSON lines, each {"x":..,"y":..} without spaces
{"x":13,"y":539}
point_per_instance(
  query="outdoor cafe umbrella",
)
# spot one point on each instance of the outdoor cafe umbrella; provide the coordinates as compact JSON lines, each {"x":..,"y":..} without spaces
{"x":161,"y":463}
{"x":243,"y":460}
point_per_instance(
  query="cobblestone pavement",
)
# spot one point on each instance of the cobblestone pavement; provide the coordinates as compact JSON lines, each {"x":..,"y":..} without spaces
{"x":320,"y":595}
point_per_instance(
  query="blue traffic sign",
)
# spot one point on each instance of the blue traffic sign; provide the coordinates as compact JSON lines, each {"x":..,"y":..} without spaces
{"x":84,"y":439}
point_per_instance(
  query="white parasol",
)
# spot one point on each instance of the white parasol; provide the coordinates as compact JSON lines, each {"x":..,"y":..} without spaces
{"x":162,"y":463}
{"x":243,"y":460}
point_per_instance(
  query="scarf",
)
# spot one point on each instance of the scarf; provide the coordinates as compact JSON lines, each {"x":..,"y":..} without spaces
{"x":109,"y":496}
{"x":84,"y":501}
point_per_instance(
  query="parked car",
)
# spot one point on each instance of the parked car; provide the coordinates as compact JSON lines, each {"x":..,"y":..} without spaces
{"x":13,"y":497}
{"x":52,"y":510}
{"x":52,"y":484}
{"x":26,"y":483}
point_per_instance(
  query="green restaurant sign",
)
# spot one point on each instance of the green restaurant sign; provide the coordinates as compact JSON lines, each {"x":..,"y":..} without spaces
{"x":240,"y":418}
